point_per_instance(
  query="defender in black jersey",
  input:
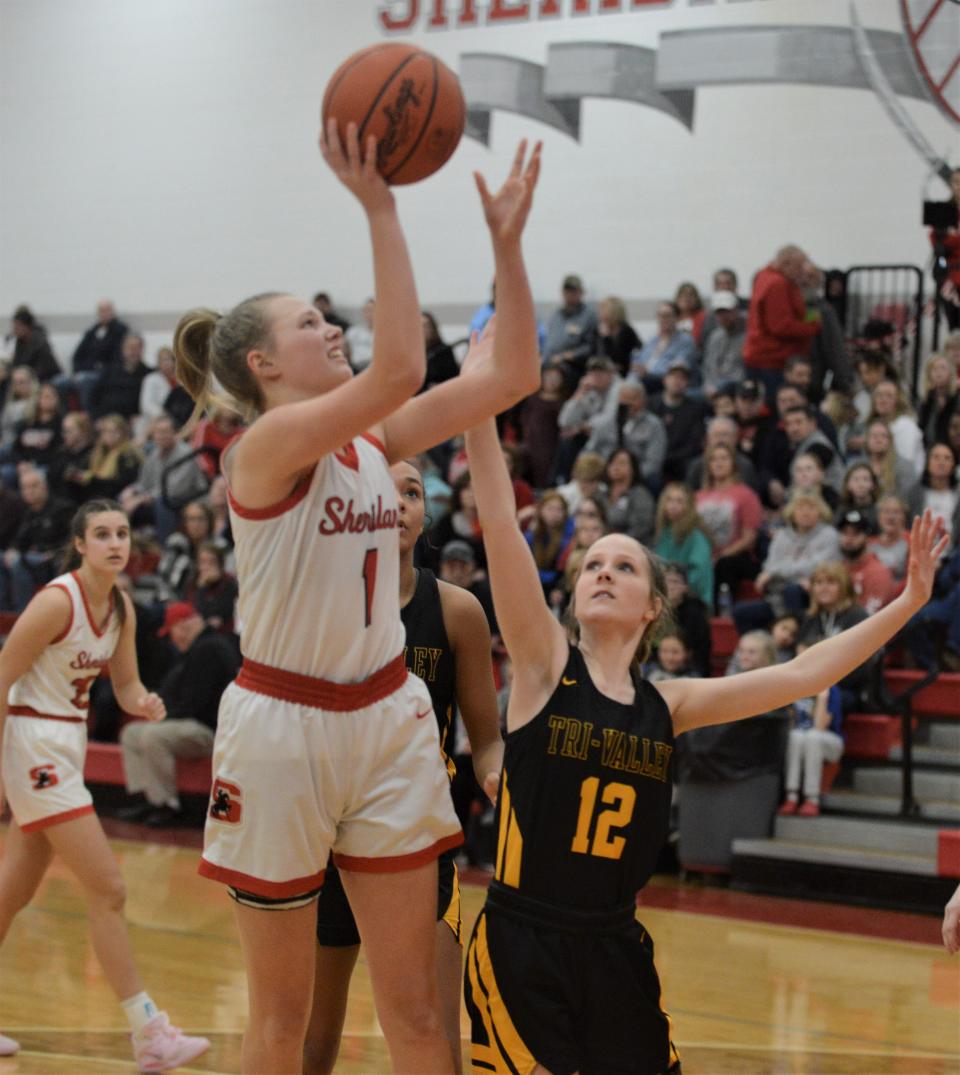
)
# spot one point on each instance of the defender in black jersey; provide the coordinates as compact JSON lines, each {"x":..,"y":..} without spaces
{"x":560,"y":976}
{"x":448,"y":647}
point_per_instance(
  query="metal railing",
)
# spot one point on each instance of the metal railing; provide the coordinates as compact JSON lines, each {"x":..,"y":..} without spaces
{"x":902,"y":705}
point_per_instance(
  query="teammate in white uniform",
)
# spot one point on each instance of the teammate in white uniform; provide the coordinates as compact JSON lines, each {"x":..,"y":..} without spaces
{"x":324,"y":743}
{"x":77,"y":625}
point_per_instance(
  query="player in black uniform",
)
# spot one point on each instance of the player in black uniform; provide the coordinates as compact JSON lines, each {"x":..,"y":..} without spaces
{"x":560,"y":976}
{"x":448,"y":647}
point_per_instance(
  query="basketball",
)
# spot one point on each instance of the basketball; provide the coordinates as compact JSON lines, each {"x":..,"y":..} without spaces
{"x":407,"y":99}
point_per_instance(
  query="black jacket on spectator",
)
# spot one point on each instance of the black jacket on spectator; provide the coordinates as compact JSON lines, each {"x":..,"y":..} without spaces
{"x":63,"y":473}
{"x":37,"y":354}
{"x":179,"y":405}
{"x":100,"y":346}
{"x":45,"y":530}
{"x":441,"y":365}
{"x":692,"y":619}
{"x":118,"y":390}
{"x":618,"y":347}
{"x":820,"y":625}
{"x":12,"y":511}
{"x":216,"y":601}
{"x":192,"y":688}
{"x":37,"y":442}
{"x":685,"y":430}
{"x":128,"y":470}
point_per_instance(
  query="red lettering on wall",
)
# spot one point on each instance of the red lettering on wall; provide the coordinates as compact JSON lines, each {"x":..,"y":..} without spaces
{"x":438,"y":20}
{"x":549,"y":7}
{"x":468,"y":13}
{"x":501,"y":10}
{"x":611,"y":5}
{"x":394,"y":23}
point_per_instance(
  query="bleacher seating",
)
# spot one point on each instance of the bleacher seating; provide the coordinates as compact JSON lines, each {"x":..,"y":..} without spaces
{"x":104,"y":765}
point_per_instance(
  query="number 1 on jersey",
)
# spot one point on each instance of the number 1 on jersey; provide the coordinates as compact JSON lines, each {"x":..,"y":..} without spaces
{"x":621,"y":798}
{"x":369,"y":583}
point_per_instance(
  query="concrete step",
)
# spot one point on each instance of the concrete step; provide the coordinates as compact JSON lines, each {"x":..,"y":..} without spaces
{"x":857,"y":857}
{"x":909,"y":838}
{"x":927,"y":783}
{"x":855,"y":802}
{"x":930,"y":756}
{"x":945,"y":736}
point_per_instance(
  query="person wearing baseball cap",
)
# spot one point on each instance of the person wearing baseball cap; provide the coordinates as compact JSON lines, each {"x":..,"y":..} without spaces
{"x":682,"y":416}
{"x":723,"y":343}
{"x":873,"y":581}
{"x":594,"y":403}
{"x":208,"y":661}
{"x":571,"y":332}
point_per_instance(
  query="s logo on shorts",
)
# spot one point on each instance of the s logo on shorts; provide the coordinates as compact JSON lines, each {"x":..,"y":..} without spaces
{"x":44,"y":776}
{"x":226,"y":802}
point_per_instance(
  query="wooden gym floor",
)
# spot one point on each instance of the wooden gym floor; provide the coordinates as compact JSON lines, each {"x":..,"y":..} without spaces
{"x":750,"y":991}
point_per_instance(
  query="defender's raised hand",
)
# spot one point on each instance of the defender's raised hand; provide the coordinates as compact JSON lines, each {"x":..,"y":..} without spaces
{"x":928,"y":543}
{"x":506,"y":211}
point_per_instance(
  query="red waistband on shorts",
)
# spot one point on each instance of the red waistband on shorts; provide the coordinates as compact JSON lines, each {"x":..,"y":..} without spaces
{"x":29,"y":711}
{"x":322,"y":693}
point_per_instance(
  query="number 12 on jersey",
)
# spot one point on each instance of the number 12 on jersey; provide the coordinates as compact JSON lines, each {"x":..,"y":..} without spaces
{"x":369,"y":583}
{"x":620,"y":800}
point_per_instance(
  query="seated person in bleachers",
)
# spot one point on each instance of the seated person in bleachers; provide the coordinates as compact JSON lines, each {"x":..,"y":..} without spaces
{"x":872,"y":366}
{"x":191,"y":691}
{"x":37,"y":437}
{"x":213,"y":591}
{"x":807,"y":476}
{"x":31,"y":560}
{"x":12,"y":511}
{"x":895,"y":476}
{"x":799,"y":434}
{"x":98,"y":348}
{"x":932,"y":637}
{"x":115,"y":460}
{"x":671,"y":659}
{"x":459,"y":523}
{"x":159,"y":394}
{"x":19,"y":404}
{"x":815,"y":737}
{"x":891,"y":404}
{"x":458,"y":566}
{"x":859,"y":492}
{"x":213,"y":433}
{"x":219,"y":508}
{"x":589,"y":525}
{"x":839,"y":408}
{"x":548,"y":534}
{"x":683,"y":418}
{"x":585,"y":479}
{"x":118,"y":390}
{"x":681,"y":538}
{"x":806,"y":540}
{"x":691,"y":617}
{"x":616,"y":337}
{"x":873,"y":582}
{"x":722,"y":430}
{"x":72,"y":459}
{"x":755,"y":422}
{"x":595,"y":400}
{"x":536,"y":420}
{"x":32,"y":347}
{"x":652,"y":361}
{"x":723,"y":347}
{"x":732,"y":515}
{"x":938,"y":488}
{"x":940,"y":399}
{"x":891,"y":545}
{"x":630,"y":508}
{"x":833,"y":608}
{"x":151,"y":500}
{"x":178,"y":563}
{"x":784,"y":631}
{"x":636,"y":428}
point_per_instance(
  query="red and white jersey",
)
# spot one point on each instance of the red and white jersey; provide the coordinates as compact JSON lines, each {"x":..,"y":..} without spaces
{"x":58,"y":682}
{"x":319,"y":571}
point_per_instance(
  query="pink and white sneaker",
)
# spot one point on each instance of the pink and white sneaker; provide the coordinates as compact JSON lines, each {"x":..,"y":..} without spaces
{"x":8,"y":1047}
{"x":161,"y":1047}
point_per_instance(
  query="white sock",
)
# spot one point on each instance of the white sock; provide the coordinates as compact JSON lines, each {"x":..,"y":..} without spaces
{"x":139,"y":1010}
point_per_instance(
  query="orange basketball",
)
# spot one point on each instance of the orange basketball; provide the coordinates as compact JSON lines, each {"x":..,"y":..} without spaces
{"x":407,"y":99}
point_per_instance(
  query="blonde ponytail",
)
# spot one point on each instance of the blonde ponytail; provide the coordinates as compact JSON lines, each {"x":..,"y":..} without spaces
{"x":211,"y":351}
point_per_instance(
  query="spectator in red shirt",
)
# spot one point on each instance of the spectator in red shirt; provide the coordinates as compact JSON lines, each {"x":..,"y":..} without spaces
{"x":214,"y":433}
{"x":873,"y":582}
{"x":777,"y":322}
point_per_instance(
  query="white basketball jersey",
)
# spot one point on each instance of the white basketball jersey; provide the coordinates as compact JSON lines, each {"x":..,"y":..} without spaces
{"x":319,"y":572}
{"x":58,"y":682}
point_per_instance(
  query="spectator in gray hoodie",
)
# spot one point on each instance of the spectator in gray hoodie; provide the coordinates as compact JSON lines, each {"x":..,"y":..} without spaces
{"x":638,"y":430}
{"x":807,"y":540}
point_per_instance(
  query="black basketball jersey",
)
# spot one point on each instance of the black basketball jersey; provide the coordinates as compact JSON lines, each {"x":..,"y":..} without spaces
{"x":428,"y":654}
{"x":585,"y":795}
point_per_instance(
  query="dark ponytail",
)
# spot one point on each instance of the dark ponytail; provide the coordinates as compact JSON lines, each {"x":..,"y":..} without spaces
{"x":71,"y":559}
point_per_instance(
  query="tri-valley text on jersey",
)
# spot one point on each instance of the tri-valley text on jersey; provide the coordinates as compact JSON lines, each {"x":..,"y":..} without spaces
{"x":402,"y":16}
{"x":572,"y":738}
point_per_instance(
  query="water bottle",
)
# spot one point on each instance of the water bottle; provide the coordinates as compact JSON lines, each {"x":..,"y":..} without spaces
{"x":724,"y":600}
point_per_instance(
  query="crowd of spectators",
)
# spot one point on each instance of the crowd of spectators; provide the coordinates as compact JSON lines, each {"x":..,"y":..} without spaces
{"x":773,"y":464}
